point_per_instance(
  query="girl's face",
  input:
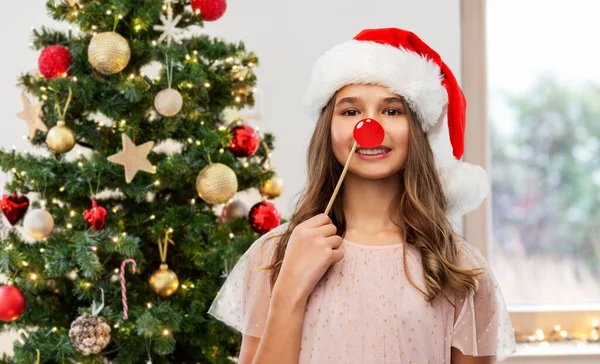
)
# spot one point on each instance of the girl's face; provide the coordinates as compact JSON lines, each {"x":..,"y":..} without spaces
{"x":356,"y":102}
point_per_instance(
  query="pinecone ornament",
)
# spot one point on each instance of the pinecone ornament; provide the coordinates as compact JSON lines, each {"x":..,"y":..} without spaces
{"x":90,"y":334}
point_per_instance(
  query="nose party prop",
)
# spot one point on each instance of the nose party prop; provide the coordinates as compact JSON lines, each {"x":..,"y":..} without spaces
{"x":368,"y":133}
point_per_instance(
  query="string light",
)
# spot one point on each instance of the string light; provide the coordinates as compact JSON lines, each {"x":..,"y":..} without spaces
{"x":157,"y":183}
{"x":152,"y":217}
{"x":69,"y":226}
{"x":166,"y":332}
{"x":25,"y":264}
{"x":231,"y":235}
{"x":116,"y":270}
{"x":94,"y":248}
{"x":115,"y":239}
{"x":33,"y":276}
{"x":149,"y":305}
{"x":207,"y":85}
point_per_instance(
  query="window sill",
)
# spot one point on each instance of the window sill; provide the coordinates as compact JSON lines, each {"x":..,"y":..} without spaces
{"x":546,"y":349}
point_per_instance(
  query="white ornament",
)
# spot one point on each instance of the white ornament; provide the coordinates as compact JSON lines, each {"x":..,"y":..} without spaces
{"x":168,"y":102}
{"x":169,"y":29}
{"x":38,"y":224}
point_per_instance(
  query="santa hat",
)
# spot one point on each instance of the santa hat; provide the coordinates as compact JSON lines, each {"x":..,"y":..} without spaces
{"x":401,"y":61}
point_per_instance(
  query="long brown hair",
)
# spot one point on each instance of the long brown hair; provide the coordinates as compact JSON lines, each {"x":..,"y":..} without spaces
{"x":420,"y":208}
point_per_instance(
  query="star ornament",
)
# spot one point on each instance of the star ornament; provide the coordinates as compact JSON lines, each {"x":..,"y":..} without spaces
{"x":133,"y":158}
{"x":31,"y":115}
{"x":169,"y":29}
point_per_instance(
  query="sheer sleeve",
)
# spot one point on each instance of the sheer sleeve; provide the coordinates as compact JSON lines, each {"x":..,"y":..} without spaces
{"x":243,"y":300}
{"x":482,"y":325}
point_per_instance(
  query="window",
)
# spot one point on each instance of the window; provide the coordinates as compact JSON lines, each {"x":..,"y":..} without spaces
{"x":543,"y":107}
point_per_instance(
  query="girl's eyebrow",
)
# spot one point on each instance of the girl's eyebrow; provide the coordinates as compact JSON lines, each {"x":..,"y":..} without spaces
{"x":349,"y":100}
{"x":390,"y":100}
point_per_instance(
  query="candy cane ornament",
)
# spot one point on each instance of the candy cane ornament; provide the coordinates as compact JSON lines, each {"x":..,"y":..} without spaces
{"x":123,"y":288}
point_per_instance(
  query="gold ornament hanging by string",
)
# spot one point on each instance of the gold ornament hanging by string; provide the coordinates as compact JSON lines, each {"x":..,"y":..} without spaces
{"x":164,"y":281}
{"x":273,"y":187}
{"x":216,"y":183}
{"x":61,"y":139}
{"x":109,"y":53}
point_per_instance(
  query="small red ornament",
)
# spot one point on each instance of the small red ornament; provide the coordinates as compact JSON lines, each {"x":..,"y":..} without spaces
{"x":95,"y":217}
{"x":264,"y":217}
{"x":368,"y":133}
{"x":12,"y":303}
{"x":210,"y":9}
{"x":54,"y":61}
{"x":14,"y":207}
{"x":244,"y":142}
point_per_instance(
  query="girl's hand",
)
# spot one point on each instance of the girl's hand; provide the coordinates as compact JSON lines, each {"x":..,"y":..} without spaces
{"x":311,"y":250}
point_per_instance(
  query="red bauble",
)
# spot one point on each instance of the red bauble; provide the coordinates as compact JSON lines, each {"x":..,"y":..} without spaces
{"x":95,"y":217}
{"x":264,"y":217}
{"x":12,"y":303}
{"x":54,"y":61}
{"x":14,"y":207}
{"x":210,"y":9}
{"x":368,"y":133}
{"x":244,"y":142}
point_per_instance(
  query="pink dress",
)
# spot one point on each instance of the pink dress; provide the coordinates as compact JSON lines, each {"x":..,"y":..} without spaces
{"x":364,"y":309}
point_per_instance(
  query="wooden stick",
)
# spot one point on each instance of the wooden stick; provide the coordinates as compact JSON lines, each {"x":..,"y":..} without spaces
{"x":339,"y":184}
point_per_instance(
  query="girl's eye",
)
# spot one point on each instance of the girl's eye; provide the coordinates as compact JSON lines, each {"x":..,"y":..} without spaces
{"x":392,"y":112}
{"x":350,"y":113}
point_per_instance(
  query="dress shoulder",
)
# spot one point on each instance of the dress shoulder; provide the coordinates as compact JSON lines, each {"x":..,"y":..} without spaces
{"x":482,"y":325}
{"x":243,"y":300}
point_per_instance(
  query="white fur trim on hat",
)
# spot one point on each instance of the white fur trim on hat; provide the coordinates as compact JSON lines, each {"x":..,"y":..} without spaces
{"x":404,"y":72}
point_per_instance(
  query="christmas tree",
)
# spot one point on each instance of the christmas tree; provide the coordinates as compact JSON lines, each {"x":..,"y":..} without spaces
{"x":116,"y":241}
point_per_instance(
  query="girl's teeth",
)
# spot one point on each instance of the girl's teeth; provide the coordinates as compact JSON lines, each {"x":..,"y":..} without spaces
{"x":372,"y":151}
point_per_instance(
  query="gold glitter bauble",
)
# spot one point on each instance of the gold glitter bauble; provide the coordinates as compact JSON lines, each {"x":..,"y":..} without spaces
{"x":60,"y":138}
{"x":164,"y":281}
{"x":216,"y":183}
{"x":168,"y":102}
{"x":109,"y":53}
{"x":272,"y":188}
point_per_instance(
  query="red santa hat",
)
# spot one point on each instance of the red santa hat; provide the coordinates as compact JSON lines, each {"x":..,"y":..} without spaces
{"x":407,"y":66}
